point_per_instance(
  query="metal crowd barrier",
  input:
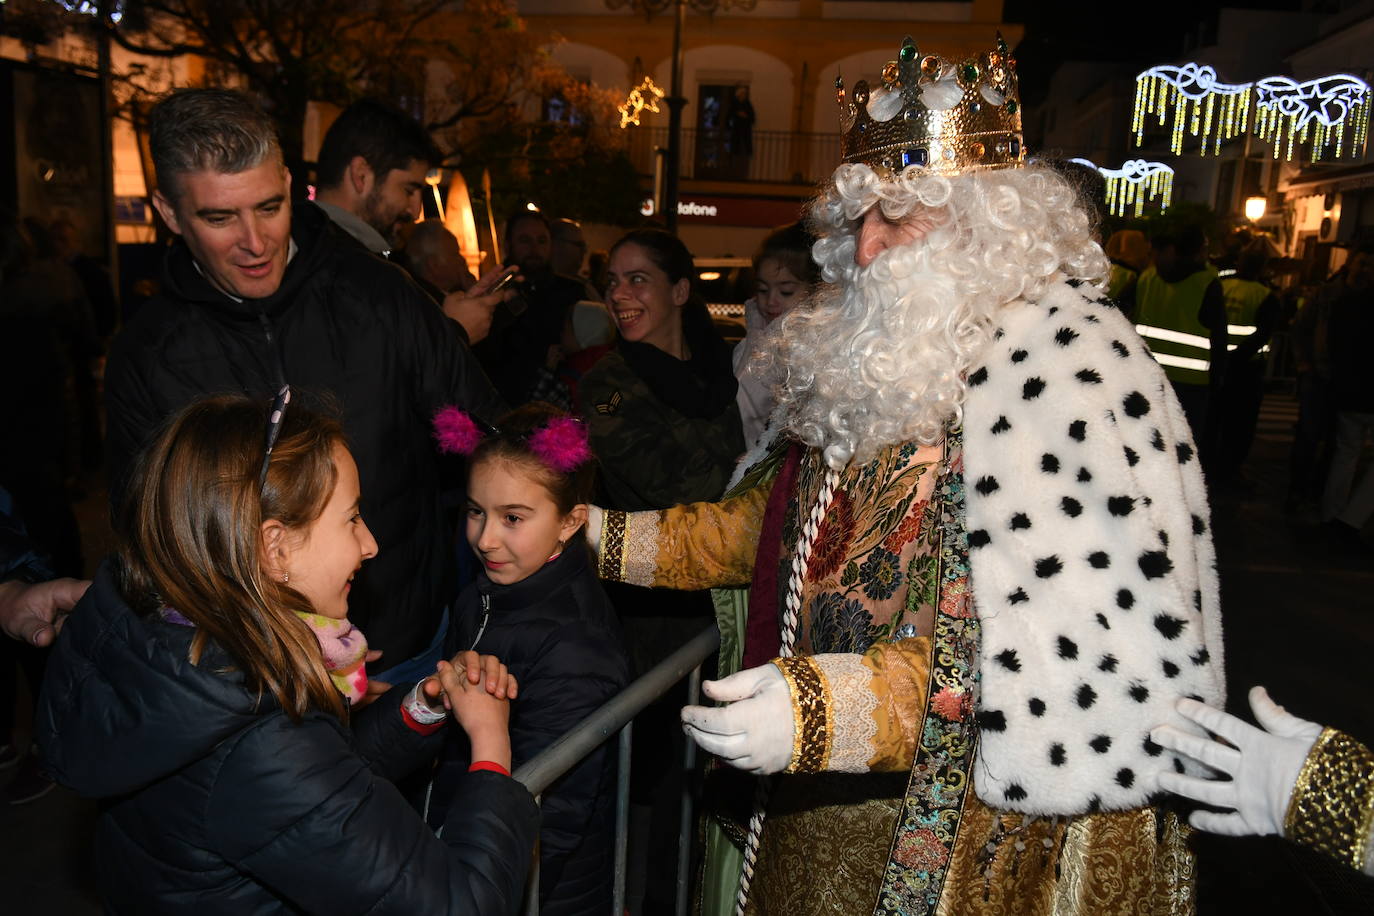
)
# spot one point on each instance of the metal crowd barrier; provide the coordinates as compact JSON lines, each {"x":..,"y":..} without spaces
{"x":617,"y":715}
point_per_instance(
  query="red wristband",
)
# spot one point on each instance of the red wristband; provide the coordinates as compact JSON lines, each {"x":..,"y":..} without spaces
{"x":488,"y":765}
{"x":420,"y":727}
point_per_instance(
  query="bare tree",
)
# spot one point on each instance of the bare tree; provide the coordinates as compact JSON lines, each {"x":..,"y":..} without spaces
{"x":292,"y":52}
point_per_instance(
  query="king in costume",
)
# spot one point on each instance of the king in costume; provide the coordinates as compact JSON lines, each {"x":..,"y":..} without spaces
{"x":979,"y":551}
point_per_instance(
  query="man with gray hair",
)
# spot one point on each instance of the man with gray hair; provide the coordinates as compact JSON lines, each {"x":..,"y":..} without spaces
{"x":258,"y":293}
{"x":435,"y":261}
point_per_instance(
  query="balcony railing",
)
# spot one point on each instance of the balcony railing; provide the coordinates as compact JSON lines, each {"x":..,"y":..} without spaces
{"x":777,"y":155}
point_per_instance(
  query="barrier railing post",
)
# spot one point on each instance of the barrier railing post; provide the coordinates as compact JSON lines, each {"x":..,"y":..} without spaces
{"x":532,"y":885}
{"x":622,"y":819}
{"x":614,"y":716}
{"x":684,"y":836}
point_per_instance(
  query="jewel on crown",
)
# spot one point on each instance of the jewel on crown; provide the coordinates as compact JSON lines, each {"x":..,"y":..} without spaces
{"x":941,"y":115}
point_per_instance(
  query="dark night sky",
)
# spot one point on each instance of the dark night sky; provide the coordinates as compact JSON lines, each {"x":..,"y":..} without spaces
{"x":1150,"y":33}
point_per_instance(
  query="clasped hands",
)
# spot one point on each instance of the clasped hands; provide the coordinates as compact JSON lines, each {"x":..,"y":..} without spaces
{"x":468,"y":672}
{"x":754,"y":731}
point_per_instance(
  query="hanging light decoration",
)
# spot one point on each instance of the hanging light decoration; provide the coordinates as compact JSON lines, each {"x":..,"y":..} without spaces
{"x":1288,"y":113}
{"x":643,"y":97}
{"x":1199,"y":103}
{"x":1134,"y":184}
{"x":1329,"y":112}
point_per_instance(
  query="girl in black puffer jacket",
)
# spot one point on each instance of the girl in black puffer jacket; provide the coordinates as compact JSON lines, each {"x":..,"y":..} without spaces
{"x":202,"y":689}
{"x":539,"y":607}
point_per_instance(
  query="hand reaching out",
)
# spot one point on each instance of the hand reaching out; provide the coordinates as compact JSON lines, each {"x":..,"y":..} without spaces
{"x":34,"y":612}
{"x":754,"y":732}
{"x":1263,"y":764}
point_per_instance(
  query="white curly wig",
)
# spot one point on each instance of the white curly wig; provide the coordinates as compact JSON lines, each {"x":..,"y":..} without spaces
{"x":879,"y":357}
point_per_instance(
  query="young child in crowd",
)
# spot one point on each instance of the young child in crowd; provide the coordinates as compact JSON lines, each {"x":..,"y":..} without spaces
{"x":784,"y":275}
{"x":538,"y":606}
{"x":203,"y":690}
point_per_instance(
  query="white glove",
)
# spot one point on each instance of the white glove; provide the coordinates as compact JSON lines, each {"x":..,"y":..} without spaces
{"x":1263,"y":765}
{"x":754,"y":732}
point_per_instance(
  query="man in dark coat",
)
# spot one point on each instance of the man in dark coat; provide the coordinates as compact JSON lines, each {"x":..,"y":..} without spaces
{"x":255,"y":297}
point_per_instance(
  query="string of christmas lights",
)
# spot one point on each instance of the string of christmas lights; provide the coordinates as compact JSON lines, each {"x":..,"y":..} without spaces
{"x":1137,"y":182}
{"x":1317,"y":109}
{"x":1331,"y":113}
{"x":1191,"y":93}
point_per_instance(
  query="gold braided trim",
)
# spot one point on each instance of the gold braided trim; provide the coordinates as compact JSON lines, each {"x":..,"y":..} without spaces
{"x":811,"y":731}
{"x":611,"y":565}
{"x":1332,"y":807}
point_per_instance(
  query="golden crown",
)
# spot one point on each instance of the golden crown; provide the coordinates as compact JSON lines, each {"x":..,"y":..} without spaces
{"x":942,"y":115}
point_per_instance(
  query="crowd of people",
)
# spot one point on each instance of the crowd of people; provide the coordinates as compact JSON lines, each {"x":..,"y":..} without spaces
{"x":944,"y":501}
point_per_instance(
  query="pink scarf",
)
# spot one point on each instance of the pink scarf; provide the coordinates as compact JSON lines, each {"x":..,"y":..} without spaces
{"x":345,"y":653}
{"x":343,"y":646}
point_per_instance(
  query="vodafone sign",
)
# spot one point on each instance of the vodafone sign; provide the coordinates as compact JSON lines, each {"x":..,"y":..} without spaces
{"x":761,"y":212}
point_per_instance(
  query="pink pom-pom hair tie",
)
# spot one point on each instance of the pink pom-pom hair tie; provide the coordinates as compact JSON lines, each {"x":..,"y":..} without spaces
{"x":456,"y":431}
{"x":561,"y":445}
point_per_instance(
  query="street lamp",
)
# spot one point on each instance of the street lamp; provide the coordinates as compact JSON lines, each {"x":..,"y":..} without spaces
{"x":675,"y":100}
{"x":1255,"y":207}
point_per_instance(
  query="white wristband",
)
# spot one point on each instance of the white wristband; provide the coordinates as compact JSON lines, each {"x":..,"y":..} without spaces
{"x":419,"y":710}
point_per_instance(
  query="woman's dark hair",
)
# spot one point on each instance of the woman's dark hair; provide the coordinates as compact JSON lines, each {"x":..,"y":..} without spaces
{"x":790,"y":246}
{"x":665,"y":250}
{"x":511,"y":443}
{"x":190,"y":538}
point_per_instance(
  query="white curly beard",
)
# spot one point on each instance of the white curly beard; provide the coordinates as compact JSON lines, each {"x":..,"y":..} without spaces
{"x":879,"y":357}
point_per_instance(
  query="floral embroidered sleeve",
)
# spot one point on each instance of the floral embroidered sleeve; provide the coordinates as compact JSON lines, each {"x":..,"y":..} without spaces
{"x":861,"y":713}
{"x":694,"y":546}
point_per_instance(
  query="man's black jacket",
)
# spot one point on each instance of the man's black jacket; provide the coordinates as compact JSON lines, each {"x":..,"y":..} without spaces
{"x":347,"y":326}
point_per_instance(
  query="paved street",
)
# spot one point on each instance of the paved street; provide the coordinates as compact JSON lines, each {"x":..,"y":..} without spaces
{"x":1299,"y":615}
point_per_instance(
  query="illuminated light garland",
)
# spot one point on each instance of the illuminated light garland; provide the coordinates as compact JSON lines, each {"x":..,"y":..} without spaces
{"x":1191,"y":92}
{"x":1288,"y":112}
{"x":643,"y":97}
{"x":1135,"y":183}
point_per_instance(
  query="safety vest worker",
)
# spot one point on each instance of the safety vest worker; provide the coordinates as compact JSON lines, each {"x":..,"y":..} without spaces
{"x":1243,"y":300}
{"x":1167,"y":316}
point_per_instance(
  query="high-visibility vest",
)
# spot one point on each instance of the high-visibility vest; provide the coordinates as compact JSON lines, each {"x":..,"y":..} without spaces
{"x":1166,"y":316}
{"x":1117,"y":281}
{"x":1243,"y":299}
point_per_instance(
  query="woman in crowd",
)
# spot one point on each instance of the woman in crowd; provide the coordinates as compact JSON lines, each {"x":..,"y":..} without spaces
{"x":784,"y":275}
{"x":665,"y":429}
{"x":661,"y":405}
{"x":203,"y":691}
{"x":537,"y":604}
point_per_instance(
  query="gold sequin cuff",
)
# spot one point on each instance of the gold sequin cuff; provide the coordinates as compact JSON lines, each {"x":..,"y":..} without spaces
{"x":1332,"y":808}
{"x":611,"y":565}
{"x":811,"y":729}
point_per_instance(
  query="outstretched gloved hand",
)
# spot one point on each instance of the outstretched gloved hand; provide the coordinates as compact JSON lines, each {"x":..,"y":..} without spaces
{"x":1263,"y":765}
{"x":754,"y":732}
